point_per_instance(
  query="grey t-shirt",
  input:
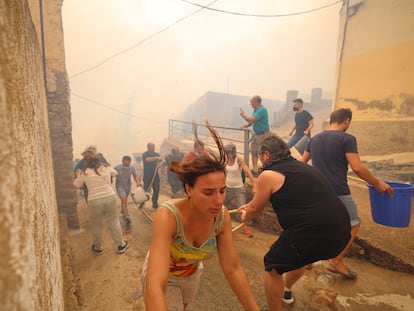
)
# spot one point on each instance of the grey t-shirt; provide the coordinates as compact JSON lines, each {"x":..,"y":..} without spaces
{"x":124,"y":178}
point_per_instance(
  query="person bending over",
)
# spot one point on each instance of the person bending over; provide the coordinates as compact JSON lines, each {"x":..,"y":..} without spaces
{"x":315,"y":223}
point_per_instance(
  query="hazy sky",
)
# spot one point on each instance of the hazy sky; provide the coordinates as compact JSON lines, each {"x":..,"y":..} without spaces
{"x":149,"y":82}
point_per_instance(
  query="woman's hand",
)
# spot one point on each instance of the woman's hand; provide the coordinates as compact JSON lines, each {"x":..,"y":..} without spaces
{"x":243,"y":213}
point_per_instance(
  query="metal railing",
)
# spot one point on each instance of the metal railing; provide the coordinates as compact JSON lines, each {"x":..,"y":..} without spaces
{"x":183,"y":131}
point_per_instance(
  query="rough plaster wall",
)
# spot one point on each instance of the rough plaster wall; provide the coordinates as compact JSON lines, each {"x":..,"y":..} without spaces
{"x":30,"y":269}
{"x":375,"y":71}
{"x":393,"y":137}
{"x":377,"y":65}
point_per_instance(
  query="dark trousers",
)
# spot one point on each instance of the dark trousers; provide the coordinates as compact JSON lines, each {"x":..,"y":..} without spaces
{"x":155,"y":188}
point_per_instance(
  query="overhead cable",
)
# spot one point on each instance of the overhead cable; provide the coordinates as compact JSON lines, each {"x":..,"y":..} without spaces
{"x":142,"y":41}
{"x":114,"y":109}
{"x":260,"y":15}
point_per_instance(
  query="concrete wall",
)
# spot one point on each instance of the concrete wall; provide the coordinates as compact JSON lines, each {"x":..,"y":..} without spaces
{"x":30,"y":263}
{"x":375,"y":72}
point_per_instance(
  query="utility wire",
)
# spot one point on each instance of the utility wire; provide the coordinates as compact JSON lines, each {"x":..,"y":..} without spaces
{"x":260,"y":15}
{"x":142,"y":41}
{"x":114,"y":109}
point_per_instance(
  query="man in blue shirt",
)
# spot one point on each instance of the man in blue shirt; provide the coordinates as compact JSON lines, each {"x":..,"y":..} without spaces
{"x":331,"y":152}
{"x":260,"y":122}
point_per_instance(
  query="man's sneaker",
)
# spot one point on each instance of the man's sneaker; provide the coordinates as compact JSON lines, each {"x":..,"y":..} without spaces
{"x":97,"y":250}
{"x":122,"y":249}
{"x":247,"y":232}
{"x":287,"y":297}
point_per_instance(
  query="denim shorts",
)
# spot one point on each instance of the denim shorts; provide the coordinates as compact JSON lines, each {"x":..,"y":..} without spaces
{"x":351,"y":207}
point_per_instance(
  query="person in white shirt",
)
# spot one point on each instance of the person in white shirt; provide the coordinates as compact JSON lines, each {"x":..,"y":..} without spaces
{"x":236,"y":192}
{"x":102,"y":202}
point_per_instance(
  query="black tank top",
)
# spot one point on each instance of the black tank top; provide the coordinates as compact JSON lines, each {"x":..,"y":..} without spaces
{"x":307,"y":203}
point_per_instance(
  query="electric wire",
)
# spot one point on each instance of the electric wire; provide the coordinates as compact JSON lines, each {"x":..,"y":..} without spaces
{"x":261,"y":15}
{"x":142,"y":41}
{"x":114,"y":109}
{"x":201,"y":7}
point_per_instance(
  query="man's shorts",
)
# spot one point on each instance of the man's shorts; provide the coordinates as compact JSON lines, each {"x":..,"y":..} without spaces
{"x":123,"y":192}
{"x":352,"y":208}
{"x":257,"y":141}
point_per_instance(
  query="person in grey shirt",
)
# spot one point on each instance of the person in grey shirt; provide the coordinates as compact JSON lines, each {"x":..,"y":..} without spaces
{"x":123,"y":184}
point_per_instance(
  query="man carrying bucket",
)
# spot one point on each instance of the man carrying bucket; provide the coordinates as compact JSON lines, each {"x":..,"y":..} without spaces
{"x":331,"y":152}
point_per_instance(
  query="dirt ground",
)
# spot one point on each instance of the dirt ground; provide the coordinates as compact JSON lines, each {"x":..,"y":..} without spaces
{"x":112,"y":282}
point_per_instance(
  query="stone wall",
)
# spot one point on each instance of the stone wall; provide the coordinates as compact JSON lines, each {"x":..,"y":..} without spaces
{"x":60,"y":120}
{"x":30,"y":261}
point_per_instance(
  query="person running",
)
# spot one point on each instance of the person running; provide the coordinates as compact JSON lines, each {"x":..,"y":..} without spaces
{"x":101,"y":200}
{"x":315,"y":222}
{"x":123,"y":184}
{"x":187,"y":231}
{"x":235,"y":190}
{"x":303,"y":124}
{"x":331,"y":152}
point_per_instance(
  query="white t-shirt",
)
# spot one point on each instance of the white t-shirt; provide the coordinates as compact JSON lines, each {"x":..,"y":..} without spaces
{"x":99,"y":186}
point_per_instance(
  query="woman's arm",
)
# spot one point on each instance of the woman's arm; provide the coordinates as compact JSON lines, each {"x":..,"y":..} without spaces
{"x":113,"y":172}
{"x":231,"y":266}
{"x":267,"y":183}
{"x":163,"y":230}
{"x":80,"y":179}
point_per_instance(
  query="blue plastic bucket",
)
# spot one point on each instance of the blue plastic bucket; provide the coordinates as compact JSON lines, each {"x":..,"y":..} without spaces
{"x":392,"y":211}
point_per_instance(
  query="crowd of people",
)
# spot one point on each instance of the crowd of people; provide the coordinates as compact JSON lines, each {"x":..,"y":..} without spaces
{"x":313,"y":205}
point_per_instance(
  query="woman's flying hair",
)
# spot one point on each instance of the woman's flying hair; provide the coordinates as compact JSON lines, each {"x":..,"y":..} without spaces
{"x":210,"y":162}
